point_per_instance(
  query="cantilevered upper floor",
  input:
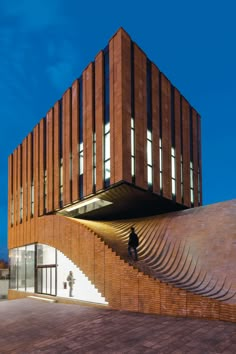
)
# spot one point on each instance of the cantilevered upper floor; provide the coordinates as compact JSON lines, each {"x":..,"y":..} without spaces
{"x":122,"y":135}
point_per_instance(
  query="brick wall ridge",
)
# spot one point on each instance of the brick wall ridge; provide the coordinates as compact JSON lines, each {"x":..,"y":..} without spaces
{"x":173,"y":263}
{"x":125,"y":286}
{"x":129,"y":262}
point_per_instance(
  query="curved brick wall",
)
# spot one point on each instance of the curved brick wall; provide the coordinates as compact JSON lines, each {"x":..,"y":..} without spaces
{"x":126,"y":286}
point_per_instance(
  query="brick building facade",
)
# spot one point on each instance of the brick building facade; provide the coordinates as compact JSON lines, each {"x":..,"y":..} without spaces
{"x":122,"y":142}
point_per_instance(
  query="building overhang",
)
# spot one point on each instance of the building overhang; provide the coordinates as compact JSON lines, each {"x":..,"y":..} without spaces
{"x":121,"y":201}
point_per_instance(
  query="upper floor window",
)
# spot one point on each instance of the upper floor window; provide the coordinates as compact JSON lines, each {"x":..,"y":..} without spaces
{"x":132,"y":148}
{"x":21,"y":204}
{"x":160,"y":163}
{"x":32,"y":198}
{"x":149,"y":158}
{"x":173,"y":172}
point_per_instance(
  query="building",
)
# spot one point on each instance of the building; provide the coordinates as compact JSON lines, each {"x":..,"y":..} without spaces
{"x":121,"y":143}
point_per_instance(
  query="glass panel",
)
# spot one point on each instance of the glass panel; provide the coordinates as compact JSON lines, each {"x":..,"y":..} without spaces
{"x":94,"y":149}
{"x":192,"y":195}
{"x":81,"y":183}
{"x":132,"y":166}
{"x":94,"y":176}
{"x":107,"y":127}
{"x":173,"y":151}
{"x":39,"y":280}
{"x":132,"y":123}
{"x":149,"y":152}
{"x":61,"y":174}
{"x":53,"y":281}
{"x":45,"y":255}
{"x":61,"y":193}
{"x":160,"y":143}
{"x":81,"y":163}
{"x":149,"y":135}
{"x":160,"y":158}
{"x":30,"y":266}
{"x":44,"y":282}
{"x":13,"y":268}
{"x":149,"y":174}
{"x":94,"y":155}
{"x":107,"y":169}
{"x":161,"y":180}
{"x":132,"y":142}
{"x":172,"y":167}
{"x":191,"y":178}
{"x":107,"y":146}
{"x":173,"y":187}
{"x":21,"y":268}
{"x":32,"y":199}
{"x":21,"y":203}
{"x":48,"y":280}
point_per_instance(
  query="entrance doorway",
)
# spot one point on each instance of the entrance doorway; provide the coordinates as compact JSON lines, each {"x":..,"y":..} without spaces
{"x":46,"y":279}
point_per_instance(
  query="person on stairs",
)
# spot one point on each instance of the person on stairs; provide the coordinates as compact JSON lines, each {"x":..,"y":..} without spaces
{"x":133,"y":243}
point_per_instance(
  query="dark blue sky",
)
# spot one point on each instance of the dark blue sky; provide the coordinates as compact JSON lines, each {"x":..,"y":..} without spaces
{"x":46,"y":44}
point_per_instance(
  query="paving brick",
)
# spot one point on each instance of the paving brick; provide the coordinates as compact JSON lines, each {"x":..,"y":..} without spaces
{"x":30,"y":326}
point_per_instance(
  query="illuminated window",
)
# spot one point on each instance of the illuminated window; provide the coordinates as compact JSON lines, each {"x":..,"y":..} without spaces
{"x":32,"y":198}
{"x":21,"y":204}
{"x":149,"y":158}
{"x":81,"y":158}
{"x":149,"y":122}
{"x":191,"y":183}
{"x":132,"y":113}
{"x":132,"y":149}
{"x":107,"y":152}
{"x":107,"y":169}
{"x":45,"y":189}
{"x":94,"y":159}
{"x":81,"y":147}
{"x":160,"y":162}
{"x":173,"y":172}
{"x":173,"y":157}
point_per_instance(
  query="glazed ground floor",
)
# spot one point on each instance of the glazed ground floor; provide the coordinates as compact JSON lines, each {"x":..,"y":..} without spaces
{"x":177,"y":273}
{"x":42,"y":269}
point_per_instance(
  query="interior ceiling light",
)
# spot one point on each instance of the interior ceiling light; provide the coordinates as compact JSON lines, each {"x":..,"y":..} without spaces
{"x":81,"y":204}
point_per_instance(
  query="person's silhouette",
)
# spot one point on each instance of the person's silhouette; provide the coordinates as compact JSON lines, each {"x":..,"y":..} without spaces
{"x":133,"y":243}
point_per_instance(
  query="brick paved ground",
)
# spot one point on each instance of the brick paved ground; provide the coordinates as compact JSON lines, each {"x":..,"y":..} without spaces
{"x":32,"y":326}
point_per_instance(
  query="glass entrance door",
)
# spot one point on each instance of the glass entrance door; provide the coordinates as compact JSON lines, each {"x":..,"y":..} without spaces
{"x":46,"y":280}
